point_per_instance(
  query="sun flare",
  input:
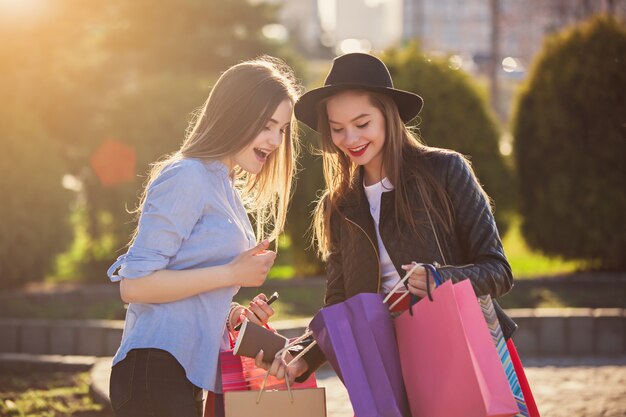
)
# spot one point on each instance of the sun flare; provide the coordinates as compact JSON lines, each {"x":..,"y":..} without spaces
{"x":16,"y":8}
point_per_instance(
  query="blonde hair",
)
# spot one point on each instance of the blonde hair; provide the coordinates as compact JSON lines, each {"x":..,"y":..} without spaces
{"x":400,"y":168}
{"x":241,"y":103}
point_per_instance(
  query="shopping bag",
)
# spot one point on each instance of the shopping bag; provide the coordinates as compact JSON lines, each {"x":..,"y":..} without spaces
{"x":449,"y":362}
{"x":239,"y":373}
{"x":309,"y":402}
{"x":502,"y":347}
{"x":529,"y":398}
{"x":306,"y":402}
{"x":358,"y":340}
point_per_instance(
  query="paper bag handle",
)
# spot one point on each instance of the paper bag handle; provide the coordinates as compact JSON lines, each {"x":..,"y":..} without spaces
{"x":282,"y":354}
{"x":429,"y":269}
{"x":284,"y":350}
{"x":258,"y":397}
{"x":399,"y":284}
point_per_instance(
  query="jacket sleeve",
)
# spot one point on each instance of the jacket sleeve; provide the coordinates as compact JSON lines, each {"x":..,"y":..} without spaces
{"x":335,"y":293}
{"x":487,"y":266}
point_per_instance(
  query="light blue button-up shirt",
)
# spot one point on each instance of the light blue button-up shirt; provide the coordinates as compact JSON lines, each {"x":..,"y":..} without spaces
{"x":193,"y":217}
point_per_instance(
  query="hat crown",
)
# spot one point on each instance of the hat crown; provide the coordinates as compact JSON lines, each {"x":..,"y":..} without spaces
{"x":359,"y":69}
{"x":356,"y":71}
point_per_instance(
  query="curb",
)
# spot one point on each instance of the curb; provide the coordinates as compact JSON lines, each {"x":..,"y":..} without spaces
{"x":50,"y":362}
{"x":99,"y":376}
{"x":542,"y":332}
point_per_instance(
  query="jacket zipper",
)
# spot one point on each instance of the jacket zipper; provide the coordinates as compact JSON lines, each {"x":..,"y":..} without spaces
{"x":375,"y":251}
{"x":451,"y":266}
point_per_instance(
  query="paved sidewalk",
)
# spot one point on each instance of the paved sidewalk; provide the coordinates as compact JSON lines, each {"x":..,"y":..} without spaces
{"x":591,"y":387}
{"x":562,"y":387}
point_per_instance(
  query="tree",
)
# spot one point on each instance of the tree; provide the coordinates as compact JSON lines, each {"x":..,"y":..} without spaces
{"x":455,"y":116}
{"x":309,"y":184}
{"x":130,"y":71}
{"x":190,"y":36}
{"x":35,"y":206}
{"x":570,"y":138}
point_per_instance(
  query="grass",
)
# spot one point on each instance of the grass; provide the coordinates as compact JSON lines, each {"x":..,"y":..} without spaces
{"x":31,"y":392}
{"x":528,"y":264}
{"x":304,"y":298}
{"x":282,"y":272}
{"x":294,"y":302}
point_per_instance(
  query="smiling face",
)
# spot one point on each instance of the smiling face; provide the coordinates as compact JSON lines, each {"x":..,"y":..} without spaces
{"x":252,"y":158}
{"x":357,"y":128}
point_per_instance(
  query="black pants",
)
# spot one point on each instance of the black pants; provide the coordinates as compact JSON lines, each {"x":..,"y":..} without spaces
{"x":151,"y":383}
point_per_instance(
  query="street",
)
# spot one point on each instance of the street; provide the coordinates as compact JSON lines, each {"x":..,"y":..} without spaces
{"x":562,"y":388}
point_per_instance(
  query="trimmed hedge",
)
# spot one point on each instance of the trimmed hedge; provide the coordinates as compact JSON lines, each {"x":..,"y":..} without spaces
{"x":570,"y":141}
{"x":309,"y":184}
{"x":35,"y":206}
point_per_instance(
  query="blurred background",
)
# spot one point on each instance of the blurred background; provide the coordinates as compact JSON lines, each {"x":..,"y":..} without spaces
{"x":94,"y":91}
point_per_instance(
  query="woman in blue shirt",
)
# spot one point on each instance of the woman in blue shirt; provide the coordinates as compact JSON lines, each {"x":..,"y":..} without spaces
{"x":194,"y":245}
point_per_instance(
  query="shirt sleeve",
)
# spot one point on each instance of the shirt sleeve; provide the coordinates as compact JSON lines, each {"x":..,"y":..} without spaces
{"x":175,"y":202}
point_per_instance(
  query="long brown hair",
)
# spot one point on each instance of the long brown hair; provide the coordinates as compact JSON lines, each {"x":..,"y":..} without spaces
{"x":400,"y":168}
{"x":241,"y":103}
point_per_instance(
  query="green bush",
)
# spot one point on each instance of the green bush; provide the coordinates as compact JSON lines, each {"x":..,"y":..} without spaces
{"x":309,"y":184}
{"x":35,"y":206}
{"x":570,"y":137}
{"x":102,"y":223}
{"x":455,"y":116}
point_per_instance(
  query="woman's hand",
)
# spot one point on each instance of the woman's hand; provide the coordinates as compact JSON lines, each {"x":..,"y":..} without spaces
{"x":259,"y":312}
{"x":282,"y":369}
{"x":417,"y":281}
{"x":250,"y":268}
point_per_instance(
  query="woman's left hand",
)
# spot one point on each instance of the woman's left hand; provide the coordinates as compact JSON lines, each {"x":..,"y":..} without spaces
{"x":417,"y":281}
{"x":282,"y":368}
{"x":258,"y":312}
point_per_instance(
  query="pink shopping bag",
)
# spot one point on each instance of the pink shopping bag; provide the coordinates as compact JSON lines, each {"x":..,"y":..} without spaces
{"x":450,"y":364}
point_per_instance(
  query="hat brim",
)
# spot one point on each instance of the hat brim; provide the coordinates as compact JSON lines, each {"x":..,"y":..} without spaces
{"x":409,"y":104}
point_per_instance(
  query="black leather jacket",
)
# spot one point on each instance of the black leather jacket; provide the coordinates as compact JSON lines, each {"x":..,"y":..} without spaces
{"x":474,"y":251}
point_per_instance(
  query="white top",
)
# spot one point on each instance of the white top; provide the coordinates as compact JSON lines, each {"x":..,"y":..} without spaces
{"x":374,"y":192}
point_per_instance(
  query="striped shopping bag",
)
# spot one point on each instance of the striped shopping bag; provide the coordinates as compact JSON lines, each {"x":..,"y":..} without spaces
{"x":496,"y":334}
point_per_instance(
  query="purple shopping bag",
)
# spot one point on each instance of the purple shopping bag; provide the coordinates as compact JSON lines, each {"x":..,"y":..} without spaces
{"x":358,"y":339}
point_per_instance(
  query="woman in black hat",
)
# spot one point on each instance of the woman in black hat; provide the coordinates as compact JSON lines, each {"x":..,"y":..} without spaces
{"x":390,"y":200}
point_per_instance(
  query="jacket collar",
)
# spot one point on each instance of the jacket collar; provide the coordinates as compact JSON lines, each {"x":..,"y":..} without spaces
{"x":355,"y":207}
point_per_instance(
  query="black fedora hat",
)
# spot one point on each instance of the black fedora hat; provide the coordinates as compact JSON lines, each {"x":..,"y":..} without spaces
{"x":357,"y":71}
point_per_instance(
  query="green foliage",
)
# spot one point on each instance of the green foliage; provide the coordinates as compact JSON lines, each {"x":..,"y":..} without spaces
{"x":309,"y":186}
{"x":120,"y":70}
{"x":309,"y":183}
{"x":455,"y":116}
{"x":186,"y":36}
{"x":173,"y":69}
{"x":34,"y":209}
{"x":570,"y":137}
{"x":528,"y":264}
{"x":89,"y":254}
